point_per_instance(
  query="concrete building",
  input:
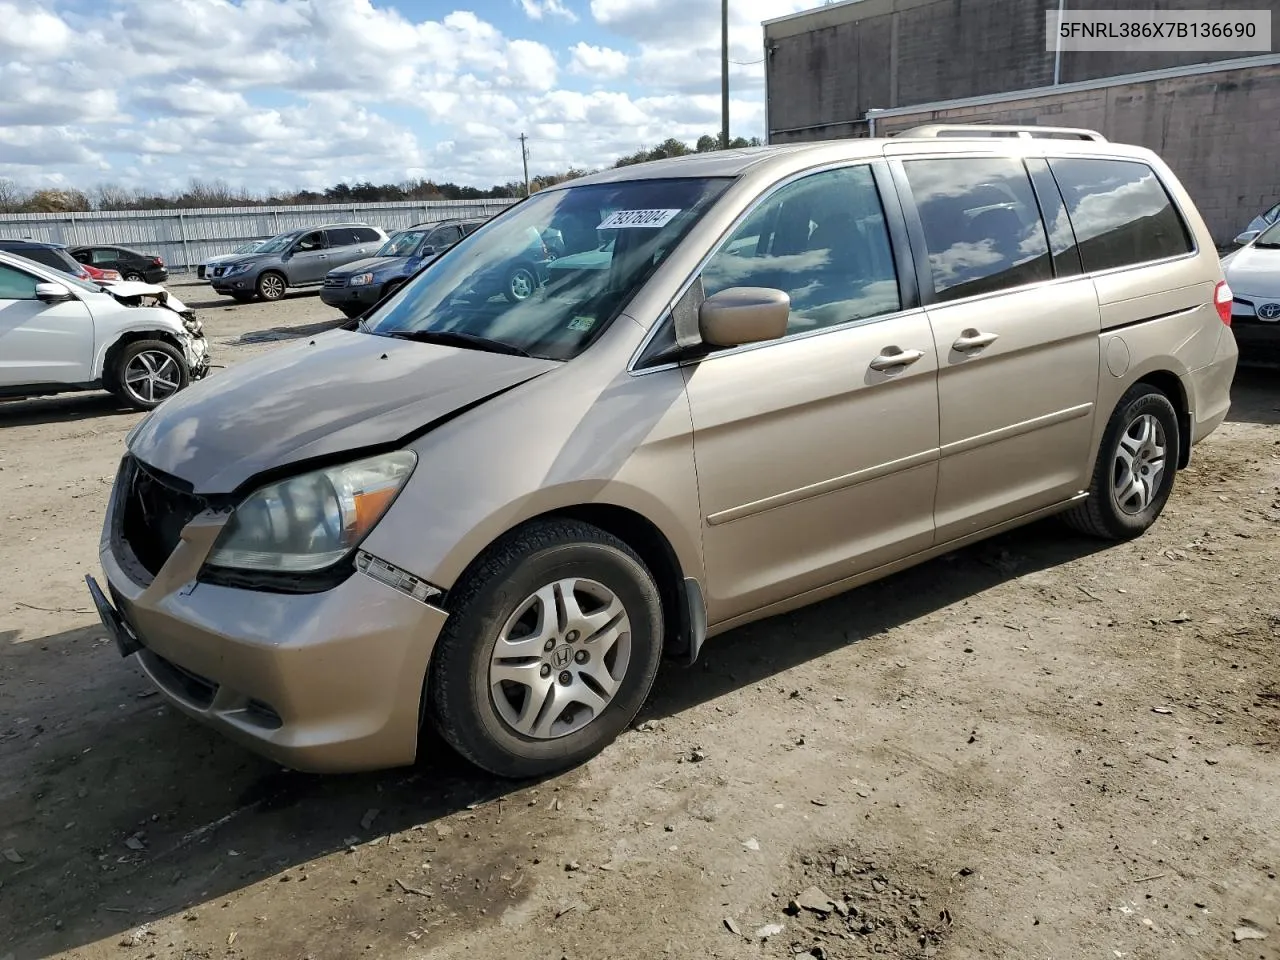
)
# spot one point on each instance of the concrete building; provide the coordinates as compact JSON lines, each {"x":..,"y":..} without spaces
{"x":876,"y":67}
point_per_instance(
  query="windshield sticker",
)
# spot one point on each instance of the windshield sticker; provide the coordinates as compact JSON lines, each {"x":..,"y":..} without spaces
{"x":582,"y":323}
{"x":630,"y":219}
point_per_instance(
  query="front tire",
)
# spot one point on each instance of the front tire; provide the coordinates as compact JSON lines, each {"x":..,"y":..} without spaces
{"x":135,"y":277}
{"x":148,"y":372}
{"x":551,"y":649}
{"x":1134,"y":473}
{"x":271,"y":286}
{"x":520,"y":284}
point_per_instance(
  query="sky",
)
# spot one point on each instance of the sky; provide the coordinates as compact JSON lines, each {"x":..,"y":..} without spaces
{"x":280,"y":94}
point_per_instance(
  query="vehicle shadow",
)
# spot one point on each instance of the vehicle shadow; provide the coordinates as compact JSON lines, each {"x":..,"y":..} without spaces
{"x":123,"y":811}
{"x":64,"y":408}
{"x":208,"y":300}
{"x":1255,"y":394}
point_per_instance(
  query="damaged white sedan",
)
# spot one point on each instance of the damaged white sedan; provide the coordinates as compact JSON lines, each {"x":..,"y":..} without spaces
{"x":60,"y":334}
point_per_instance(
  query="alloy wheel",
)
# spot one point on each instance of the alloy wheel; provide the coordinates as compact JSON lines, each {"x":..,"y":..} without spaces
{"x":152,"y":376}
{"x":560,"y":658}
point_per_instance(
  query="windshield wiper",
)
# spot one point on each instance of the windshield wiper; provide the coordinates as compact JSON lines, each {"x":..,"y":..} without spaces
{"x":1270,"y":245}
{"x":452,"y":338}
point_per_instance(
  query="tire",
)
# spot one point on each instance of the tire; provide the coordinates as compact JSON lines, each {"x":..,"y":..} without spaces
{"x":1123,"y":500}
{"x":154,"y":359}
{"x":135,"y":277}
{"x":271,"y":285}
{"x":520,"y":284}
{"x":244,"y":297}
{"x":465,"y":683}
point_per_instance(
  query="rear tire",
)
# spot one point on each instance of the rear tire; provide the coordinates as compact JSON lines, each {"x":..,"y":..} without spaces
{"x":1134,"y":473}
{"x":520,"y":284}
{"x":581,"y":658}
{"x":271,"y":285}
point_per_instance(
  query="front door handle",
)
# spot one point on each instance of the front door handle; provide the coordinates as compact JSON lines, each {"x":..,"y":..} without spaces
{"x":974,"y":340}
{"x":891,"y":358}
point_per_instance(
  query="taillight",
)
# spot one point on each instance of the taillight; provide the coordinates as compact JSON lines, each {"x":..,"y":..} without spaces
{"x":157,"y":261}
{"x":1222,"y":301}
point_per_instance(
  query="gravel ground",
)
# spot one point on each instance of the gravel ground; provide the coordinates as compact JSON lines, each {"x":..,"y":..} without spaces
{"x":1036,"y":747}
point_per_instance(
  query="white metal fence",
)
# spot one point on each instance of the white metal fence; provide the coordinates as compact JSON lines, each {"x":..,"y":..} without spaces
{"x":185,"y":238}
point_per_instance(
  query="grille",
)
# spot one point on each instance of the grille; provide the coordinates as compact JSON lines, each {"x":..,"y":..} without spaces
{"x":334,"y":281}
{"x":218,"y":271}
{"x":200,"y":272}
{"x":155,"y":511}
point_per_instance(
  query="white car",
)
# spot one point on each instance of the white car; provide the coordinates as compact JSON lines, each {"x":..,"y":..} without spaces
{"x":1253,"y":273}
{"x":60,"y":334}
{"x":202,"y":271}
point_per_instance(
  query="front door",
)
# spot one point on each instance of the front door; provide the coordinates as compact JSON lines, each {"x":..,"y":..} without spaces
{"x":816,"y":454}
{"x":1016,"y":333}
{"x":309,"y":261}
{"x":41,"y":342}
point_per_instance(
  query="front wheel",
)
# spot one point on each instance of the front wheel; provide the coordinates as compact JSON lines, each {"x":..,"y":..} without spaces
{"x":1134,"y":473}
{"x":135,"y":277}
{"x":552,"y":647}
{"x":520,"y":284}
{"x":147,"y":373}
{"x":271,"y":286}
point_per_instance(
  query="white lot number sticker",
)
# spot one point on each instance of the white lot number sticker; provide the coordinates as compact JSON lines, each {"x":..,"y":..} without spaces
{"x":631,"y":219}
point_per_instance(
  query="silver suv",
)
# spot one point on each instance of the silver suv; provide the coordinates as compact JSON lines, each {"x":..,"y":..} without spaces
{"x":299,"y":258}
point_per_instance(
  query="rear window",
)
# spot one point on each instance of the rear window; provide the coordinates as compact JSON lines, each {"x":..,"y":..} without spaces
{"x":1121,"y":213}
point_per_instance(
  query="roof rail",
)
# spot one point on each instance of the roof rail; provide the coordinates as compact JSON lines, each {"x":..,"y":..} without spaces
{"x":997,"y":130}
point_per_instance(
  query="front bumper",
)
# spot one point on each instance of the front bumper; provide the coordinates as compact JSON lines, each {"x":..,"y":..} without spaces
{"x":239,"y":283}
{"x":197,"y":351}
{"x":362,"y":296}
{"x":325,"y":682}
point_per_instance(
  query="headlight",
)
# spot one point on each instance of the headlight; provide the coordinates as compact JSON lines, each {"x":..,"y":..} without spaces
{"x":311,"y":521}
{"x":232,"y":270}
{"x":360,"y":280}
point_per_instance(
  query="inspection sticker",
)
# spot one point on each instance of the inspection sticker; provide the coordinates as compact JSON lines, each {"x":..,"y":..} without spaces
{"x":628,"y":219}
{"x":582,"y":323}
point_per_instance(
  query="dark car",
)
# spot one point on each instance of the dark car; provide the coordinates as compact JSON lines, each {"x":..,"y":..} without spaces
{"x":53,"y":255}
{"x":131,"y":264}
{"x":355,"y":287}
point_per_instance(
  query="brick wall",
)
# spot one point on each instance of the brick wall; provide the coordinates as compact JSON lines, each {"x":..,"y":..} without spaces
{"x":1219,"y":133}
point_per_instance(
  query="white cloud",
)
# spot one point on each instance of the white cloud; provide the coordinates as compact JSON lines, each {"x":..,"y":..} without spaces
{"x":600,"y":63}
{"x":285,"y":93}
{"x":537,"y":9}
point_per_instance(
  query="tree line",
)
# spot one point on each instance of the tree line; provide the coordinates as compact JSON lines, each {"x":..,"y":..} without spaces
{"x":219,"y":193}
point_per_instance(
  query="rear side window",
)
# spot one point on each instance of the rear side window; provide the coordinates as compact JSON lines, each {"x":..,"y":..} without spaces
{"x":341,"y":237}
{"x":367,"y":235}
{"x":471,"y":227}
{"x":16,"y":285}
{"x":981,"y":224}
{"x":443,"y":237}
{"x":107,"y":256}
{"x":1121,"y":213}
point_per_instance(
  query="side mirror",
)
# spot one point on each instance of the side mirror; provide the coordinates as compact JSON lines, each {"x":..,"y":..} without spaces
{"x":742,"y":315}
{"x":52,"y":292}
{"x":1247,"y":237}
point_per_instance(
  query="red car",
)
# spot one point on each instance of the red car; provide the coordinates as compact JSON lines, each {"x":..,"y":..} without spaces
{"x":95,"y":274}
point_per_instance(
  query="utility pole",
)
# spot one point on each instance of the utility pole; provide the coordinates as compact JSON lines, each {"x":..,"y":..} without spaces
{"x":724,"y":74}
{"x":524,"y":156}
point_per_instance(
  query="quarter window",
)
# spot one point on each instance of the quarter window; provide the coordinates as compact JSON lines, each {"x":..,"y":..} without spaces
{"x":366,"y":235}
{"x":981,"y":225}
{"x":824,"y":242}
{"x":16,"y":285}
{"x":1121,"y":213}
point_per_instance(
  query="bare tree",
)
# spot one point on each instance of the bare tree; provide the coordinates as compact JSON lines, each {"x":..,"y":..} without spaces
{"x":12,"y":197}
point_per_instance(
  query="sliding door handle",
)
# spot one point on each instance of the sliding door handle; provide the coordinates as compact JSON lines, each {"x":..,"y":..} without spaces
{"x":892,"y":358}
{"x":974,"y":340}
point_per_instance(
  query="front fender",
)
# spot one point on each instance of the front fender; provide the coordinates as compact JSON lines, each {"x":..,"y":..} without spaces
{"x":134,"y":320}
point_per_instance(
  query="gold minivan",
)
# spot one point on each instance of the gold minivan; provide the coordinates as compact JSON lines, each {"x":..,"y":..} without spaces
{"x":740,"y":382}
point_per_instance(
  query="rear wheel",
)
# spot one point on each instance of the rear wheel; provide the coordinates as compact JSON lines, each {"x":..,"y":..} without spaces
{"x":134,"y":276}
{"x":551,"y":649}
{"x":271,"y":286}
{"x":1134,"y":473}
{"x":146,"y":373}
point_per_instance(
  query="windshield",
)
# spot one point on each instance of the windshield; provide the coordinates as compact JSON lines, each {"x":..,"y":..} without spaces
{"x":1270,"y":237}
{"x":401,"y":244}
{"x":251,"y":246}
{"x":72,"y":280}
{"x":277,"y":244}
{"x":494,"y":286}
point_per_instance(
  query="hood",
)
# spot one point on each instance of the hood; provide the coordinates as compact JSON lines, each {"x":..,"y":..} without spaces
{"x":136,"y":294}
{"x":340,"y":391}
{"x":367,"y":265}
{"x":1254,"y":272}
{"x":224,"y":257}
{"x":234,"y":258}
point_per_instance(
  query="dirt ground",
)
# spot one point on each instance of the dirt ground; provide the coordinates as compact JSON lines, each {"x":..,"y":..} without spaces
{"x":1032,"y":748}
